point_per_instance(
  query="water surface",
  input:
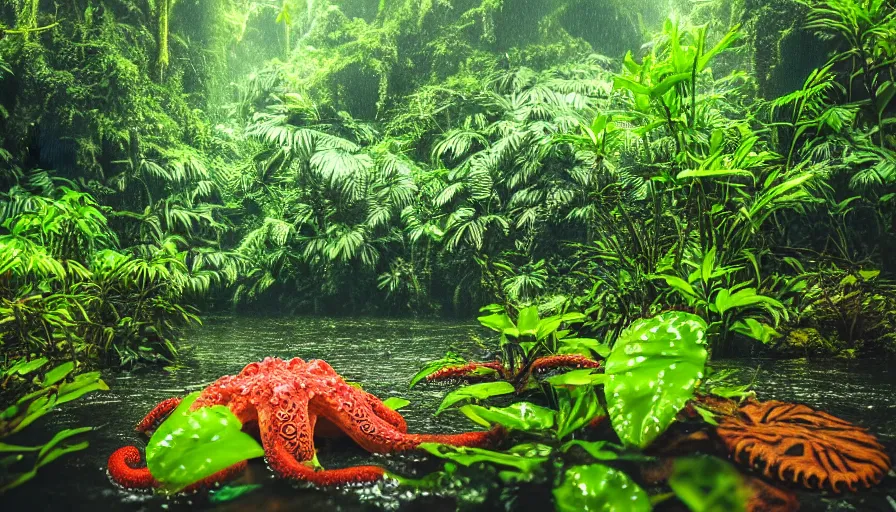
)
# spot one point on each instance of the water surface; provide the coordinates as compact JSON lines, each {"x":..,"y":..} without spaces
{"x":382,"y":355}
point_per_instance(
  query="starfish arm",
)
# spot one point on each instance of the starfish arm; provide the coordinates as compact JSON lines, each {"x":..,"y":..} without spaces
{"x":155,"y":417}
{"x":287,"y":430}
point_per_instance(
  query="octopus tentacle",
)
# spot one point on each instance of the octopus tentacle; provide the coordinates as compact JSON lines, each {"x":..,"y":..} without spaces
{"x":287,"y":446}
{"x":388,"y":415}
{"x":378,"y":436}
{"x":155,"y":417}
{"x":287,"y":400}
{"x":125,"y":471}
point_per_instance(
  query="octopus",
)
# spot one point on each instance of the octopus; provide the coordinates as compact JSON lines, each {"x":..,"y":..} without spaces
{"x":291,"y":402}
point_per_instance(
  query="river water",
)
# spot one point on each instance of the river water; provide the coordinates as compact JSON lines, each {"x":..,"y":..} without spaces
{"x":382,"y":355}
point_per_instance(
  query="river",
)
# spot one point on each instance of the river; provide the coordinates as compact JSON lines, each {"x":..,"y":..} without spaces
{"x":382,"y":355}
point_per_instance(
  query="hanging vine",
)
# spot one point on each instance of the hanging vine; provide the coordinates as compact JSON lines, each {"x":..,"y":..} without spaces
{"x":164,"y":12}
{"x":26,"y":16}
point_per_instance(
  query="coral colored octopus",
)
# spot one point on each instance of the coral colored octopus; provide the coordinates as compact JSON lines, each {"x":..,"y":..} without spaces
{"x":291,"y":402}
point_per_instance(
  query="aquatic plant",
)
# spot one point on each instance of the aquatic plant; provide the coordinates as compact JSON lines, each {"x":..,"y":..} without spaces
{"x":32,"y":398}
{"x":649,"y":384}
{"x":66,"y":291}
{"x":527,"y":345}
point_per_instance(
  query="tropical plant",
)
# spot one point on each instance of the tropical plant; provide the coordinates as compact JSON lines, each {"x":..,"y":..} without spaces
{"x":584,"y":474}
{"x":526,"y":345}
{"x":32,"y":397}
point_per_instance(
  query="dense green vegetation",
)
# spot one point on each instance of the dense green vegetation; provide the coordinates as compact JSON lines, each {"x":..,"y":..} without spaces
{"x":423,"y":157}
{"x":163,"y":158}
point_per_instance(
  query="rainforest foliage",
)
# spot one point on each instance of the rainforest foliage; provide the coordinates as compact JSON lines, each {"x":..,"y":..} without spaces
{"x":403,"y":157}
{"x":601,"y":171}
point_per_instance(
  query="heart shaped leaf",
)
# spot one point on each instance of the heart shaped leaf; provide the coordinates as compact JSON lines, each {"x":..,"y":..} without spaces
{"x":651,"y":374}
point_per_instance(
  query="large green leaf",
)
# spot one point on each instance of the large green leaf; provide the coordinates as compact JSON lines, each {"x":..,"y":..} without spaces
{"x":190,"y":446}
{"x":475,"y":392}
{"x":573,"y":378}
{"x":596,"y":487}
{"x":583,"y":346}
{"x":523,"y":416}
{"x":549,"y":325}
{"x":755,"y":329}
{"x":709,"y":484}
{"x":723,"y":44}
{"x":80,"y":386}
{"x":500,"y":322}
{"x":668,"y":83}
{"x":677,"y":283}
{"x":652,"y":371}
{"x":24,"y":367}
{"x":527,"y":323}
{"x":745,"y":297}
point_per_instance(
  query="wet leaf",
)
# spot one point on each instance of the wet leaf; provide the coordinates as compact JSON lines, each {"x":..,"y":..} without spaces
{"x":475,"y":392}
{"x":395,"y":403}
{"x":523,"y":416}
{"x":23,"y":367}
{"x":232,"y":492}
{"x":577,"y":408}
{"x":605,"y":450}
{"x":467,"y":456}
{"x":450,"y":359}
{"x":583,"y":346}
{"x":500,"y":322}
{"x":585,"y":377}
{"x":56,"y":374}
{"x":596,"y":487}
{"x":190,"y":446}
{"x":527,"y":323}
{"x":652,"y":371}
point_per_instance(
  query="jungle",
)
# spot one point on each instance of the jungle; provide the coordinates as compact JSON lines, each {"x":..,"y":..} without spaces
{"x":455,"y":254}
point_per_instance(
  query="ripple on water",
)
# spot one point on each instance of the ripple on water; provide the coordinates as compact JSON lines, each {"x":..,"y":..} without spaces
{"x":383,"y":355}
